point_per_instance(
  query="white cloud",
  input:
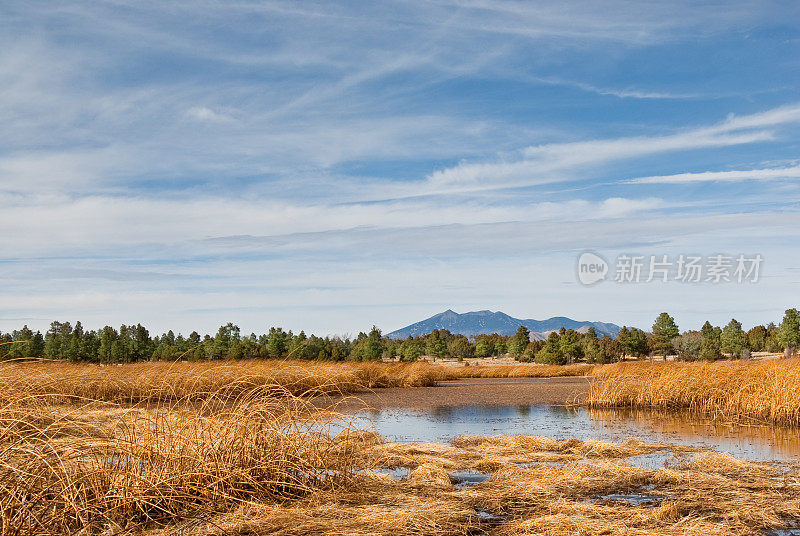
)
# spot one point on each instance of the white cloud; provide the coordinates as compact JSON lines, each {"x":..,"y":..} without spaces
{"x":186,"y":160}
{"x":561,"y":161}
{"x":769,"y":174}
{"x":57,"y":225}
{"x":616,"y":207}
{"x":203,"y":113}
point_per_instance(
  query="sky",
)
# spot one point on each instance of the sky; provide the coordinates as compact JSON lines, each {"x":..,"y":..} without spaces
{"x":329,"y":166}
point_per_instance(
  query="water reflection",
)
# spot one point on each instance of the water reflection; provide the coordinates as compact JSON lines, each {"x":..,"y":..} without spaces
{"x":442,"y":423}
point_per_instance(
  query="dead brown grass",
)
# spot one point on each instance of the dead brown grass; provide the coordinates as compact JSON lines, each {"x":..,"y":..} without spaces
{"x":517,"y":371}
{"x":160,"y":381}
{"x":584,"y":493}
{"x":764,"y":391}
{"x":262,"y":460}
{"x":65,"y":468}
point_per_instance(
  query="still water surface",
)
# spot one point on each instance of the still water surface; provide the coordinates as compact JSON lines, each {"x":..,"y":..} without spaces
{"x":442,"y":423}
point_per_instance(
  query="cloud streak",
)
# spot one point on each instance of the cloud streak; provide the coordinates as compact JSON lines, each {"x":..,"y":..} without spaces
{"x":184,"y":160}
{"x":559,"y":162}
{"x":769,"y":174}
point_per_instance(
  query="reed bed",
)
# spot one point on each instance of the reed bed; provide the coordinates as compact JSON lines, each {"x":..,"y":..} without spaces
{"x":517,"y":371}
{"x":583,"y":490}
{"x":542,"y":486}
{"x":275,"y":465}
{"x":161,"y":381}
{"x":94,"y":466}
{"x":761,"y":391}
{"x":242,"y":456}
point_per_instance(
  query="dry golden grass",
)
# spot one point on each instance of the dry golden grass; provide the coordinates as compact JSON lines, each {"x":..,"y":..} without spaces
{"x":491,"y":454}
{"x":517,"y":371}
{"x":233,"y":454}
{"x":708,"y":494}
{"x":160,"y":381}
{"x":764,"y":391}
{"x":91,"y":466}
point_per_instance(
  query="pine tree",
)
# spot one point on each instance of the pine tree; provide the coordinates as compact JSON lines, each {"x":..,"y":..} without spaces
{"x":518,"y":343}
{"x":710,"y":342}
{"x":733,"y":340}
{"x":790,"y":331}
{"x":664,"y":330}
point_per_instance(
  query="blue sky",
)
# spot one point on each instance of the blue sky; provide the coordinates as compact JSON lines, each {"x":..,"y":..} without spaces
{"x":330,"y":166}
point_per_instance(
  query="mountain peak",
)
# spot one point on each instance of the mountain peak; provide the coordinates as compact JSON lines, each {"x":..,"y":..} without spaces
{"x":486,"y":321}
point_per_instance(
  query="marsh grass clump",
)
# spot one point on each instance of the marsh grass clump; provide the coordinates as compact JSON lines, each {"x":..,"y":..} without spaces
{"x":760,"y":391}
{"x":162,"y":382}
{"x":157,"y":382}
{"x":518,"y":371}
{"x":163,"y":453}
{"x":90,"y":466}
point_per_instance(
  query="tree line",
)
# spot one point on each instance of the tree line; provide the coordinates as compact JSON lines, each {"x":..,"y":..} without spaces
{"x":712,"y":342}
{"x":133,"y":343}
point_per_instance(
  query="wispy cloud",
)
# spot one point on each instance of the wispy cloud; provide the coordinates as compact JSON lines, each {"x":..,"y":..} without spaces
{"x":199,"y":157}
{"x":203,"y":113}
{"x":769,"y":174}
{"x":561,"y":161}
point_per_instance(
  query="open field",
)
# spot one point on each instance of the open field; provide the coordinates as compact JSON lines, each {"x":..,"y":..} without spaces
{"x":201,"y":449}
{"x":268,"y":466}
{"x":161,"y":381}
{"x":517,"y":391}
{"x":762,"y":391}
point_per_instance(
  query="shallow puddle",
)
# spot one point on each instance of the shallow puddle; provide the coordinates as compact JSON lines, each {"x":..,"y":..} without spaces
{"x":489,"y":517}
{"x":466,"y":478}
{"x":782,"y":532}
{"x":443,"y":423}
{"x":634,"y":499}
{"x":395,"y":473}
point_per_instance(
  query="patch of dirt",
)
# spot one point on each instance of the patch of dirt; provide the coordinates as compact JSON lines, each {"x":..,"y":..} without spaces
{"x":470,"y":392}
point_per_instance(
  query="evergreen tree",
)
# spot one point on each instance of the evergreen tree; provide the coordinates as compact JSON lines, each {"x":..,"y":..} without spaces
{"x":733,"y":340}
{"x":610,"y":350}
{"x":591,"y":346}
{"x":436,"y":343}
{"x":484,"y":346}
{"x":52,"y":341}
{"x":460,"y":347}
{"x":107,"y":337}
{"x":570,"y":343}
{"x":710,"y":342}
{"x":664,"y":330}
{"x":278,"y":342}
{"x":370,"y":348}
{"x":410,"y":349}
{"x":637,"y":343}
{"x":551,"y":352}
{"x":757,"y":338}
{"x":519,"y":342}
{"x":623,"y":337}
{"x":790,"y":331}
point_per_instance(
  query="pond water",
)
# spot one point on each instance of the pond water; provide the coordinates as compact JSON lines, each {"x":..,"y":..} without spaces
{"x":440,"y":424}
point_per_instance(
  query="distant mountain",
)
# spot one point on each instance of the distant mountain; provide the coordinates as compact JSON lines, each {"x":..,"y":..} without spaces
{"x":477,"y":322}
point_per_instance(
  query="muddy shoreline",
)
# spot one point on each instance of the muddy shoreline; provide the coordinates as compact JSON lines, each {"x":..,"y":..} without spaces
{"x":471,"y":392}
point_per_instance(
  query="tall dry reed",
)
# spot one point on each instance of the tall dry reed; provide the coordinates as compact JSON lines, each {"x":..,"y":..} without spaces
{"x":517,"y":371}
{"x":94,"y":466}
{"x":764,"y":391}
{"x":161,"y":381}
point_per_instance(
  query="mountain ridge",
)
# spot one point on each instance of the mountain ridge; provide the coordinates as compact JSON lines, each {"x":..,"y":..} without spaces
{"x":486,"y":322}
